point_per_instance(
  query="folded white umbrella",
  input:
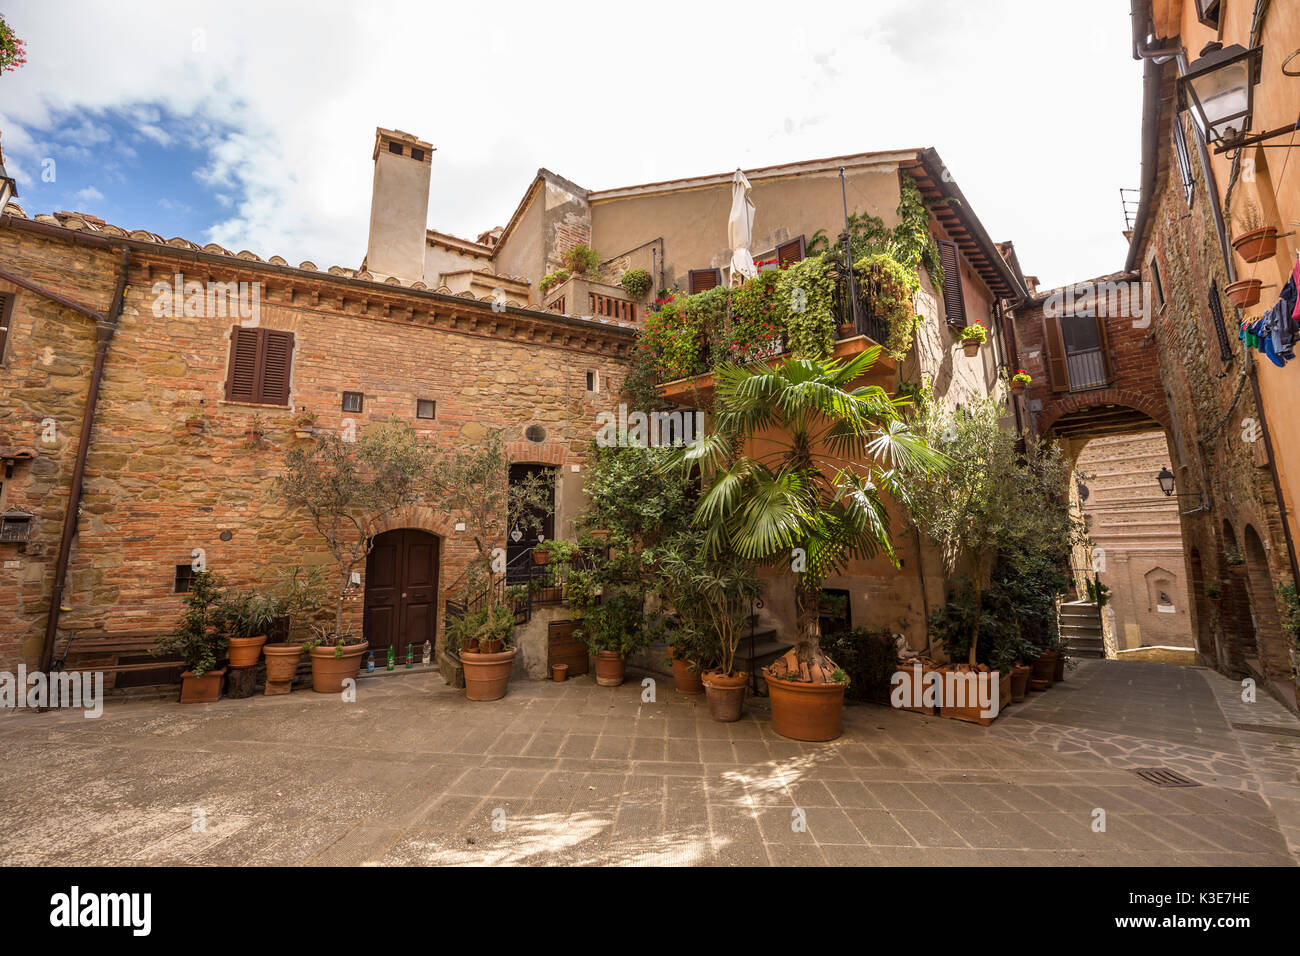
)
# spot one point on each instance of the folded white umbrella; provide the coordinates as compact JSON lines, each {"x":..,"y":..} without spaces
{"x":740,"y":229}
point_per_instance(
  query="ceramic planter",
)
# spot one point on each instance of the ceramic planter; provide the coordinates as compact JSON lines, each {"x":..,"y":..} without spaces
{"x":1256,"y":245}
{"x":686,"y":680}
{"x":281,"y":666}
{"x":1044,"y":667}
{"x":1018,"y":388}
{"x":541,"y":557}
{"x":1058,"y":672}
{"x":559,"y":673}
{"x":245,"y":651}
{"x":806,"y":711}
{"x":329,"y":672}
{"x":611,"y":667}
{"x":487,"y":676}
{"x":971,"y":347}
{"x":971,"y":711}
{"x":726,"y":695}
{"x":1244,"y":292}
{"x":1019,"y":682}
{"x":201,"y":690}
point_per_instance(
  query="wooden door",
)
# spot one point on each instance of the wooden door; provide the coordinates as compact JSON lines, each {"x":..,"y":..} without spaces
{"x":401,"y":592}
{"x":517,"y":566}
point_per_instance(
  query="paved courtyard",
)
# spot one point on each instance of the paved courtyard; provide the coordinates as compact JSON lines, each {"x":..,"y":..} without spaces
{"x":412,"y":773}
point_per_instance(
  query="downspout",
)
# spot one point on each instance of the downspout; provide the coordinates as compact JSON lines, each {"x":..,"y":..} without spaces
{"x":105,"y":329}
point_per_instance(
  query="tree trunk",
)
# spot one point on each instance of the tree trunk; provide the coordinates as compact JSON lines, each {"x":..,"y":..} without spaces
{"x":979,"y":611}
{"x":813,"y":665}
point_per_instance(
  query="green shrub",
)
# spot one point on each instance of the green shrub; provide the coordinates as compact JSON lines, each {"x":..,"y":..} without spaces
{"x":581,"y":260}
{"x":552,"y":279}
{"x":198,"y":638}
{"x":805,"y":305}
{"x":636,"y":283}
{"x":891,"y":289}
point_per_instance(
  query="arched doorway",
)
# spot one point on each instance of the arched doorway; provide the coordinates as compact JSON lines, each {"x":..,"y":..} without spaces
{"x":1238,"y":604}
{"x":1268,"y":624}
{"x":401,"y":607}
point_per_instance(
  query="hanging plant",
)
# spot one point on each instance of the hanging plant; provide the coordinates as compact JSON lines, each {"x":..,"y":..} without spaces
{"x":890,"y":288}
{"x":636,"y":283}
{"x":13,"y":52}
{"x":805,"y":305}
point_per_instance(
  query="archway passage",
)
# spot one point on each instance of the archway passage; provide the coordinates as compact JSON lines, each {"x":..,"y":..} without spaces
{"x":401,"y":607}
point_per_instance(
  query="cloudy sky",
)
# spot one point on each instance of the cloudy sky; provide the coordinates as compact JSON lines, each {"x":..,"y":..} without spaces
{"x":251,"y":123}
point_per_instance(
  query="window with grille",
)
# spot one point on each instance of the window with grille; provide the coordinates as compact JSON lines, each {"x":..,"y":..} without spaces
{"x":184,"y":579}
{"x":1220,"y":329}
{"x":1184,"y":159}
{"x":353,"y":401}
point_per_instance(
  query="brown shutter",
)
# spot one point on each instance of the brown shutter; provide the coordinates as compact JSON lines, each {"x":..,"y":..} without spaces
{"x":242,"y":377}
{"x":699,"y":280}
{"x":277,"y":362}
{"x":1058,"y":372}
{"x":954,"y":299}
{"x":791,"y":252}
{"x":1104,"y":342}
{"x":6,"y":316}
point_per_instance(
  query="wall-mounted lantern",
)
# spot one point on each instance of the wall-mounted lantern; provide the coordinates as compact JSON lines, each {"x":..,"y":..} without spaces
{"x":1166,"y":479}
{"x":1219,"y":89}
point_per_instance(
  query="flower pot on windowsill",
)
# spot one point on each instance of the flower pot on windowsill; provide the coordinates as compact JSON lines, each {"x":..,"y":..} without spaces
{"x":1256,"y":245}
{"x":1244,"y":292}
{"x":971,"y":347}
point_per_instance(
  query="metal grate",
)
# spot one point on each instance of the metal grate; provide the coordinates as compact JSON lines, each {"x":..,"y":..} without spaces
{"x":1163,"y":777}
{"x":1220,"y":328}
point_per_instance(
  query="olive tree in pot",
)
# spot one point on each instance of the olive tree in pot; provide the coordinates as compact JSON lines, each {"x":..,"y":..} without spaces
{"x":348,"y":489}
{"x":198,"y":640}
{"x":832,"y":451}
{"x":301,"y":593}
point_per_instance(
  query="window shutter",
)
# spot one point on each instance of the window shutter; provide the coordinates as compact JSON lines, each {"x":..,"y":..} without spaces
{"x":6,"y":310}
{"x":1104,"y":342}
{"x":954,"y":300}
{"x":276,"y":364}
{"x":241,"y":380}
{"x":1058,"y":372}
{"x":791,"y":252}
{"x":699,"y":280}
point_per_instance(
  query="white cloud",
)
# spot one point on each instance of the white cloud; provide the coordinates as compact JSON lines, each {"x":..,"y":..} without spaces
{"x":1001,"y":87}
{"x":88,"y":195}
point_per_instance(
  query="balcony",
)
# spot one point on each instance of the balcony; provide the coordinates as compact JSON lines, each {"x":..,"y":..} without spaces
{"x":585,"y":298}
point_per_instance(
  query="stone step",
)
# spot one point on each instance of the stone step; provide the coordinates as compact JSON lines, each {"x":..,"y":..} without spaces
{"x":1080,"y":630}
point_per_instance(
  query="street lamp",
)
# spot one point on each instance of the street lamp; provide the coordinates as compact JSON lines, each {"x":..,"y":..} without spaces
{"x":1219,"y":89}
{"x":1166,"y":479}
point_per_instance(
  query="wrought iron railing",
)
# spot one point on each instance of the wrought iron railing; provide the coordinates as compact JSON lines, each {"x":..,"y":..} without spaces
{"x":542,"y":584}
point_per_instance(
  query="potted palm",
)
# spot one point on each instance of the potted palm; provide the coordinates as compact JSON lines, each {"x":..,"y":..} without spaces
{"x":972,"y":337}
{"x":198,"y":640}
{"x":813,"y":502}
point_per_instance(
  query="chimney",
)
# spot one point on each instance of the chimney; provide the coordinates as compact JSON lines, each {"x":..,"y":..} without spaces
{"x":399,"y":205}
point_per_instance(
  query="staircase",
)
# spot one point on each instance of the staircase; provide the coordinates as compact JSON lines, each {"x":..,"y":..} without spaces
{"x":1081,"y":629}
{"x":754,"y":655}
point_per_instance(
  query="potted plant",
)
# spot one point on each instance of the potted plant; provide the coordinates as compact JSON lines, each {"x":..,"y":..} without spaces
{"x":1212,"y":592}
{"x":750,"y":509}
{"x":484,"y":639}
{"x":972,"y":337}
{"x":1255,"y":241}
{"x":581,"y":260}
{"x":1020,"y":381}
{"x":1244,"y":292}
{"x":198,"y":640}
{"x":299,"y":595}
{"x":255,"y":431}
{"x":348,"y":489}
{"x":304,"y":424}
{"x":636,"y":283}
{"x":612,"y":630}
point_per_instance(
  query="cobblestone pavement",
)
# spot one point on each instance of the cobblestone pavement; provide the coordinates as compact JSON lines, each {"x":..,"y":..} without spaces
{"x":573,"y":773}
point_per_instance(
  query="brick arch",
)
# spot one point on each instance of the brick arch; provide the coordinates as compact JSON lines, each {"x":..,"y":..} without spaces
{"x":531,"y":453}
{"x":420,"y":517}
{"x":1155,"y":409}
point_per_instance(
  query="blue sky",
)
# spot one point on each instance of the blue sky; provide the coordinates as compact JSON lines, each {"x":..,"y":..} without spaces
{"x":251,"y":124}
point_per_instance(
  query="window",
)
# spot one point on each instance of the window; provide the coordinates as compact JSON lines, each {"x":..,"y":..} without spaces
{"x":535,"y":434}
{"x":954,"y":297}
{"x":395,"y":148}
{"x":184,"y":579}
{"x":417,"y":154}
{"x":15,"y":526}
{"x":791,"y":252}
{"x":1156,"y":284}
{"x":6,"y":311}
{"x":700,"y":280}
{"x":261,"y":361}
{"x":1184,"y":159}
{"x":426,"y":408}
{"x":1207,"y":11}
{"x":353,"y":401}
{"x":1220,"y":330}
{"x":592,"y":381}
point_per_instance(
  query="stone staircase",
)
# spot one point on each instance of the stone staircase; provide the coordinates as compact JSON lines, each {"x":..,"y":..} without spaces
{"x":766,"y":647}
{"x":1081,"y":629}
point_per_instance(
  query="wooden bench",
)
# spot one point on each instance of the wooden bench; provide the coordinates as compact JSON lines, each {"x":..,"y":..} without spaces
{"x":114,"y":644}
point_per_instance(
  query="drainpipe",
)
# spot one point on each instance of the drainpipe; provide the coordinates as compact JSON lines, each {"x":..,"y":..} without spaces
{"x":105,"y":329}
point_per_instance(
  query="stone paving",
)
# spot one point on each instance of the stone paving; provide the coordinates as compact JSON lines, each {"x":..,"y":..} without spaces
{"x":572,"y":773}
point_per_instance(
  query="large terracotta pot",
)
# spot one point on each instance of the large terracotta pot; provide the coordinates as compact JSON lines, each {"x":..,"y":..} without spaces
{"x":1020,"y":682}
{"x":1058,"y":672}
{"x":1257,"y":245}
{"x":329,"y":672}
{"x":611,"y":667}
{"x":1044,"y":667}
{"x":806,"y":711}
{"x":970,"y":710}
{"x":686,"y":680}
{"x":1004,"y":688}
{"x":281,"y":666}
{"x":487,"y":676}
{"x":201,"y":690}
{"x":244,"y":651}
{"x":726,"y":695}
{"x":1244,"y":292}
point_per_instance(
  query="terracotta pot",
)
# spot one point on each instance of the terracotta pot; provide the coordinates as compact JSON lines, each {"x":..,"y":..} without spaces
{"x":686,"y":680}
{"x":329,"y":672}
{"x":970,"y":710}
{"x":245,"y":651}
{"x":1058,"y":672}
{"x":611,"y":668}
{"x":971,"y":347}
{"x":1017,"y":388}
{"x":281,"y":666}
{"x":559,"y":673}
{"x":1004,"y":688}
{"x":726,"y":695}
{"x":1244,"y":292}
{"x":1044,"y":667}
{"x":1020,"y":682}
{"x":846,"y":331}
{"x":201,"y":690}
{"x":541,"y":557}
{"x":487,"y":676}
{"x":806,"y":711}
{"x":490,"y":647}
{"x":1257,"y":245}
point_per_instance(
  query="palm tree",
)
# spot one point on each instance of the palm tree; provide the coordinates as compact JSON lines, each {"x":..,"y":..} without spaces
{"x":797,"y":463}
